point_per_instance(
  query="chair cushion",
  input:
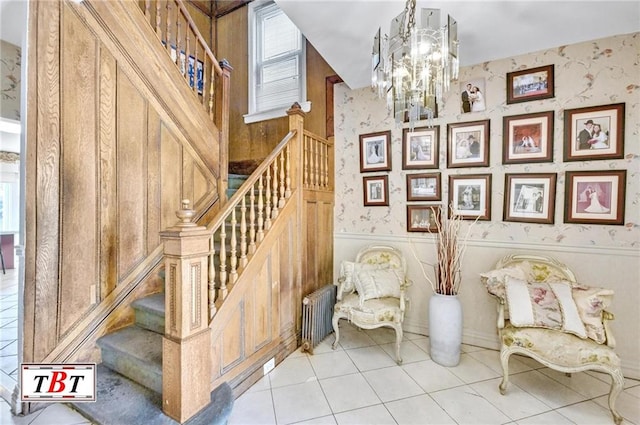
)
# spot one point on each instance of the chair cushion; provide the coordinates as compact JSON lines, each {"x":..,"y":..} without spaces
{"x":542,"y":304}
{"x":373,"y":311}
{"x":378,"y":283}
{"x":560,"y":348}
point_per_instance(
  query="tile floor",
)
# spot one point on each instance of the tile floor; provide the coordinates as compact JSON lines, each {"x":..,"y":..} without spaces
{"x":360,"y":383}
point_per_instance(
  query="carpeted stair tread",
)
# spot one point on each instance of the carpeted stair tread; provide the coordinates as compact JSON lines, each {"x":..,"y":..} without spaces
{"x":137,"y":342}
{"x":152,"y":303}
{"x":121,"y":401}
{"x":135,"y":353}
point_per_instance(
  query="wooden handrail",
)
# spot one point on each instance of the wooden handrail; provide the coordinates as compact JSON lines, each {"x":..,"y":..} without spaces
{"x":198,"y":65}
{"x":250,"y":182}
{"x":202,"y":41}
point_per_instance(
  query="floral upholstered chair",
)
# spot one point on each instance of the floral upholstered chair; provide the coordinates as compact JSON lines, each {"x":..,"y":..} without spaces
{"x":543,"y":313}
{"x":371,"y":291}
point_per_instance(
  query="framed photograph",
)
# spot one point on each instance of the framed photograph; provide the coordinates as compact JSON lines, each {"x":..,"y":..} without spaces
{"x":470,"y":196}
{"x":472,"y":96}
{"x":376,"y":191}
{"x":468,"y":144}
{"x":527,"y":138}
{"x":423,"y":218}
{"x":423,"y":187}
{"x":530,"y":84}
{"x":530,"y":197}
{"x":595,"y":132}
{"x":595,"y":197}
{"x":195,"y":72}
{"x":375,"y":151}
{"x":420,"y":148}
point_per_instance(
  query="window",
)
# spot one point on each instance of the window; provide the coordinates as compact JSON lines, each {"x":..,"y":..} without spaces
{"x":277,"y":76}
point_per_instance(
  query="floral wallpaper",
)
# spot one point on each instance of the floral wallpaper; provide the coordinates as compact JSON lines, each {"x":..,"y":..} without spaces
{"x":595,"y":73}
{"x":10,"y":60}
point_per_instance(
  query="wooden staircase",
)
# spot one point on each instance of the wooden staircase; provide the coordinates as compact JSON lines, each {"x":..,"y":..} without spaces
{"x":129,"y":384}
{"x":132,"y":360}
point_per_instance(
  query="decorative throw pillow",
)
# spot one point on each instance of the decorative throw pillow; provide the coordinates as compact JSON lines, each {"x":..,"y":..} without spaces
{"x":378,"y":283}
{"x":347,"y":269}
{"x":543,"y":305}
{"x":591,"y":302}
{"x":496,"y":279}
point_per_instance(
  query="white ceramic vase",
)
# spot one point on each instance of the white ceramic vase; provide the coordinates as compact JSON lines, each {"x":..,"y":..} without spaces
{"x":445,"y":329}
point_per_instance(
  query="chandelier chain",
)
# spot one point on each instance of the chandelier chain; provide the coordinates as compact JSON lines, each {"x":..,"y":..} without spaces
{"x":409,"y":10}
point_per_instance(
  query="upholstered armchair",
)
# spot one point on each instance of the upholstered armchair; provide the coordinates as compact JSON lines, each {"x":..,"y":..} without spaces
{"x":543,"y":313}
{"x":371,"y":291}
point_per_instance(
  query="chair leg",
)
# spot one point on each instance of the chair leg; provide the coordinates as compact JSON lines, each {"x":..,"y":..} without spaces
{"x":336,"y":329}
{"x":504,"y":361}
{"x":398,"y":328}
{"x":617,"y":383}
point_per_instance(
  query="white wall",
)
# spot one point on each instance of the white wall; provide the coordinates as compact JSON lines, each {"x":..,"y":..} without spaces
{"x":595,"y":73}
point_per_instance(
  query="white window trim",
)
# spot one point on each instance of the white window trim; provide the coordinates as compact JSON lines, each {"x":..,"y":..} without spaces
{"x":253,"y":115}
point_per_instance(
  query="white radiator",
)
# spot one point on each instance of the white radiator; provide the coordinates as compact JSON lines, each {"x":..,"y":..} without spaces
{"x":317,"y":312}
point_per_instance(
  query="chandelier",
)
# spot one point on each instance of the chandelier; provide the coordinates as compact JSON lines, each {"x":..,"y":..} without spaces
{"x":414,"y":65}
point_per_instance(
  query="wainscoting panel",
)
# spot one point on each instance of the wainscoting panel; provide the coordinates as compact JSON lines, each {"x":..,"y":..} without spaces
{"x":614,"y":268}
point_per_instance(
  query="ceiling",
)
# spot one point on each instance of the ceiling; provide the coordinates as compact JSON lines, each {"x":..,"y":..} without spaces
{"x":342,"y":30}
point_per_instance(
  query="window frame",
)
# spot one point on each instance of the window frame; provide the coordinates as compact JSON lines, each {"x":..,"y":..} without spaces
{"x":255,"y":115}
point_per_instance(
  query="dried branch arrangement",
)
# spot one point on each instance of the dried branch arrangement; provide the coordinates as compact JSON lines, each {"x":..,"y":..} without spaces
{"x":450,"y":249}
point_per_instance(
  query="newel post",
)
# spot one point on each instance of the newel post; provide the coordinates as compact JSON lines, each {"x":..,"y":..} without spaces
{"x":296,"y":122}
{"x":223,"y":100}
{"x":186,"y":346}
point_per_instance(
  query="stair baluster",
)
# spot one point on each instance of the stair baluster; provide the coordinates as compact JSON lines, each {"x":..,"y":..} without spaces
{"x":211,"y":284}
{"x":243,"y":232}
{"x":274,"y":192}
{"x":282,"y":177}
{"x":222,"y":254}
{"x":267,"y":196}
{"x":252,"y":220}
{"x":287,"y":191}
{"x":260,"y":211}
{"x":233,"y":272}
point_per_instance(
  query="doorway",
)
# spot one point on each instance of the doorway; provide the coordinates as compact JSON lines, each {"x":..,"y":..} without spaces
{"x":13,"y":28}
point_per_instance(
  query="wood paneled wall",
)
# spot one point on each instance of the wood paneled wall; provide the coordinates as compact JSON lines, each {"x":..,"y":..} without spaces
{"x":257,"y":321}
{"x":106,"y":169}
{"x":253,"y":142}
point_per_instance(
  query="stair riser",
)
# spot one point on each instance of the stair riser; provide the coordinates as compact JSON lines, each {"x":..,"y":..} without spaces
{"x":133,"y":369}
{"x":150,"y":320}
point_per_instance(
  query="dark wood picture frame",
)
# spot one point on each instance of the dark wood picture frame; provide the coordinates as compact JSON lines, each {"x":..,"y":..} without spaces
{"x":424,"y":187}
{"x":530,"y":197}
{"x":470,"y":196}
{"x":423,"y":218}
{"x":376,"y":191}
{"x":582,"y":143}
{"x":375,"y":151}
{"x":527,"y":138}
{"x":595,"y":197}
{"x":530,"y":84}
{"x":421,"y":148}
{"x":468,"y":144}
